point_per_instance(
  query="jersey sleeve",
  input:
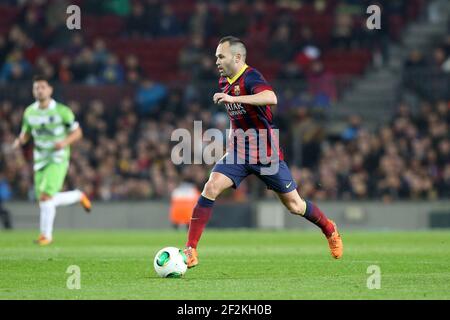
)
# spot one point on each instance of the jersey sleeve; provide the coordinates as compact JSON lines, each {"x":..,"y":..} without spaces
{"x":255,"y":82}
{"x":69,"y":118}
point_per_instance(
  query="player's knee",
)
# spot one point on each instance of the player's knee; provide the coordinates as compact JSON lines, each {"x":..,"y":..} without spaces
{"x":296,"y":206}
{"x":44,"y":197}
{"x":211,"y":189}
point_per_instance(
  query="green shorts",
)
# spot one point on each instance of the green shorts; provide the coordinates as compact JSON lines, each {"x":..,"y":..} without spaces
{"x":50,"y":179}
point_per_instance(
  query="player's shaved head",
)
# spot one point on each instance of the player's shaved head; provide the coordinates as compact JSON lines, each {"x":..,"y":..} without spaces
{"x":231,"y":54}
{"x":237,"y":46}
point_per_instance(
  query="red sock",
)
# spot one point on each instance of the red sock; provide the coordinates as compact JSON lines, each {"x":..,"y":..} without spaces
{"x":316,"y":216}
{"x":200,"y":217}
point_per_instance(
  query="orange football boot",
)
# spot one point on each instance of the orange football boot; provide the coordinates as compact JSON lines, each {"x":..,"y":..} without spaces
{"x":85,"y":202}
{"x":191,"y":257}
{"x":335,"y":243}
{"x":42,"y":241}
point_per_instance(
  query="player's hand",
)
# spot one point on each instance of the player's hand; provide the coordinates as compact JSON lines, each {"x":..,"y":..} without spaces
{"x":223,"y":98}
{"x":60,"y":145}
{"x":16,"y":144}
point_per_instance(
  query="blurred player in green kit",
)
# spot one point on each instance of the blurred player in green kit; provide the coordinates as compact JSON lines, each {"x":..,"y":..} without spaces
{"x":53,"y":128}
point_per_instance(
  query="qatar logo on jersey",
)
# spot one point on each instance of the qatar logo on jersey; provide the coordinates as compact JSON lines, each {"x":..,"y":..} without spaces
{"x":235,"y":109}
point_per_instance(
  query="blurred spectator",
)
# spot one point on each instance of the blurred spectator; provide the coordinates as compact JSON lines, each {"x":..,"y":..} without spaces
{"x":291,"y":71}
{"x":84,"y":68}
{"x":201,"y":22}
{"x":100,"y":52}
{"x":258,"y":27}
{"x":149,"y":96}
{"x":207,"y":70}
{"x":168,"y":24}
{"x":152,"y":14}
{"x":343,"y":32}
{"x":235,"y":21}
{"x":33,"y":25}
{"x":415,"y":60}
{"x":4,"y":47}
{"x":112,"y":72}
{"x":439,"y":58}
{"x":311,"y":134}
{"x":44,"y":67}
{"x":281,"y":47}
{"x":133,"y":70}
{"x":15,"y":68}
{"x":55,"y":15}
{"x":308,"y":50}
{"x":137,"y":23}
{"x":192,"y":55}
{"x":321,"y":85}
{"x":352,"y":129}
{"x":118,"y":7}
{"x":76,"y":45}
{"x":65,"y":74}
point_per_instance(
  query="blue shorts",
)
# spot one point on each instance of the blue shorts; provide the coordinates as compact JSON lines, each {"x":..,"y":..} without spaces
{"x":280,"y":181}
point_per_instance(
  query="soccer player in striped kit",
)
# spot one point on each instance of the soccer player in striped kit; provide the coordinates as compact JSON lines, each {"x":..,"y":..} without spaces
{"x":248,"y":97}
{"x":53,"y":128}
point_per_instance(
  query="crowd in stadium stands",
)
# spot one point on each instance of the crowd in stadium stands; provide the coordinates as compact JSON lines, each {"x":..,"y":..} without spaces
{"x":126,"y":150}
{"x":429,"y":75}
{"x":122,"y":157}
{"x":408,"y":158}
{"x":298,"y":32}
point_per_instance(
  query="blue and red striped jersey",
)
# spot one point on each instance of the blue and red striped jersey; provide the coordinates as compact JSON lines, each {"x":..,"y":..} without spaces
{"x":245,"y":116}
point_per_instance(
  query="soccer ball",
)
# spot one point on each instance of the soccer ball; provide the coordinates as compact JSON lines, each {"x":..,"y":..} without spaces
{"x":170,"y":262}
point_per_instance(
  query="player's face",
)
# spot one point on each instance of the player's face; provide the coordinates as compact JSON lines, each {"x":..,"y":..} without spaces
{"x":224,"y":62}
{"x":42,"y":90}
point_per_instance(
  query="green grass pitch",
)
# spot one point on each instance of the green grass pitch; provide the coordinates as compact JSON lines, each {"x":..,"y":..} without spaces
{"x":235,"y":264}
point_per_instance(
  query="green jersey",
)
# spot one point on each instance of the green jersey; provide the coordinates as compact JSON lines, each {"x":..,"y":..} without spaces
{"x":47,"y":127}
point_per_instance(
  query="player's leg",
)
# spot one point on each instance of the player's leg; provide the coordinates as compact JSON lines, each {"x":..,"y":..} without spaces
{"x":296,"y":205}
{"x":70,"y":197}
{"x":45,"y":206}
{"x":47,"y":216}
{"x":216,"y":184}
{"x":48,"y":182}
{"x":286,"y":188}
{"x":223,"y":176}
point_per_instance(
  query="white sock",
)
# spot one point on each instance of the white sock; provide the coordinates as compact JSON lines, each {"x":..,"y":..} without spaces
{"x":48,"y":211}
{"x":67,"y":198}
{"x":42,"y":220}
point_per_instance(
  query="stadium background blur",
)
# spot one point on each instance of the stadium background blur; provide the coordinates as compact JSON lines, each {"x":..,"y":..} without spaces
{"x":137,"y":70}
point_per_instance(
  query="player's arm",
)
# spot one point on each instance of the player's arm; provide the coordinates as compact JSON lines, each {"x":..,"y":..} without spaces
{"x":73,"y":136}
{"x":75,"y":132}
{"x":25,"y":133}
{"x":21,"y":139}
{"x":260,"y":92}
{"x":263,"y":98}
